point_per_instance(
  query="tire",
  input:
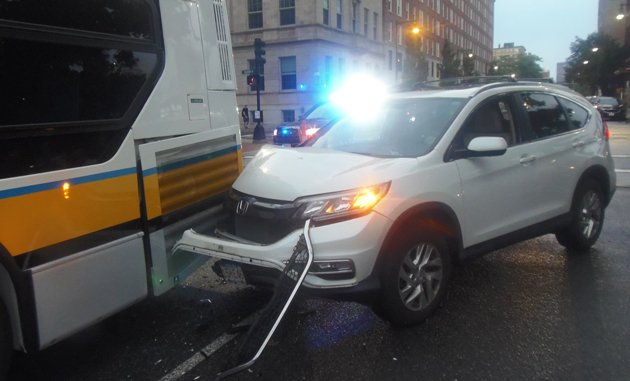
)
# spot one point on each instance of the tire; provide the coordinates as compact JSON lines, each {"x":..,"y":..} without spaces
{"x":587,"y":218}
{"x":414,"y":279}
{"x":6,"y":341}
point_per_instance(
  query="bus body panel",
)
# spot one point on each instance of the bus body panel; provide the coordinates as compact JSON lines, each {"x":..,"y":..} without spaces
{"x":53,"y":207}
{"x":72,"y":293}
{"x":217,"y":45}
{"x":88,"y":240}
{"x":179,"y":174}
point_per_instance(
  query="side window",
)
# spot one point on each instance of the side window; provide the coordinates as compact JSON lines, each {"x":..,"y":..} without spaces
{"x":546,"y":116}
{"x":577,"y":114}
{"x":494,"y":117}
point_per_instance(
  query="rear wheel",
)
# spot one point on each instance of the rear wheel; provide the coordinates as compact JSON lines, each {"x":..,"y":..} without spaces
{"x":414,"y":279}
{"x":6,"y":341}
{"x":587,"y":218}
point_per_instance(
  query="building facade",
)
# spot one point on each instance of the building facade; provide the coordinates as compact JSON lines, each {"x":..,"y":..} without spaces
{"x":311,"y":45}
{"x":609,"y":23}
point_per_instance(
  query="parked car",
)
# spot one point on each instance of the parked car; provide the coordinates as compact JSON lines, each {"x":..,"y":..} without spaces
{"x":433,"y":178}
{"x":296,"y":133}
{"x":609,"y":107}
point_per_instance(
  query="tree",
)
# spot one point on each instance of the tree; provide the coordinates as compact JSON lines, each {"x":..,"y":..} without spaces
{"x":416,"y":65}
{"x":450,"y":63}
{"x":523,"y":66}
{"x":468,"y":65}
{"x":596,"y":63}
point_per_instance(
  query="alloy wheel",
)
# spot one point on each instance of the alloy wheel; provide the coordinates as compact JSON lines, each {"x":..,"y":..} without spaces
{"x":420,"y":276}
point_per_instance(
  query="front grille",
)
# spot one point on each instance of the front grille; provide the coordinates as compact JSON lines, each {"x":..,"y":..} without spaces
{"x":263,"y":221}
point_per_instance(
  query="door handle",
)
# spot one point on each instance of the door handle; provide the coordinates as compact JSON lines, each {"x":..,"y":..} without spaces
{"x":578,"y":144}
{"x":527,"y":159}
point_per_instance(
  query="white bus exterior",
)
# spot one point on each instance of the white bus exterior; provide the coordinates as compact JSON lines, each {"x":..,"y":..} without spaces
{"x":118,"y":131}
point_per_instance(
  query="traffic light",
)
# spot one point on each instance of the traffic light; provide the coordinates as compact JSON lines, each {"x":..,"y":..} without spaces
{"x":259,"y":52}
{"x":251,"y":80}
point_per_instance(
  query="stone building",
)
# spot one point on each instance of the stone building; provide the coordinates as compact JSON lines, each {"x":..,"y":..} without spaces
{"x":311,"y":45}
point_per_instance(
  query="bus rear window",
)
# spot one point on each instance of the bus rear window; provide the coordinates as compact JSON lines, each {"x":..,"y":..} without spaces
{"x":53,"y":83}
{"x":131,"y":18}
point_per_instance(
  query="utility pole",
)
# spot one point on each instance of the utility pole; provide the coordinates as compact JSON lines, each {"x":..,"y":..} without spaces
{"x":259,"y":62}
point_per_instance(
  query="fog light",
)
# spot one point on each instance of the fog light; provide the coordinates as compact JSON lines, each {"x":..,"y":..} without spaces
{"x":341,"y":266}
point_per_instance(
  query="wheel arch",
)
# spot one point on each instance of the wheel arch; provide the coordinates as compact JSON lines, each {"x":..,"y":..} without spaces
{"x":600,"y":175}
{"x":14,"y":293}
{"x":432,"y":215}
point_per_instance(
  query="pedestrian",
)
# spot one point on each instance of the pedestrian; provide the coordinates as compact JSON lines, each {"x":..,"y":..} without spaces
{"x":245,"y":115}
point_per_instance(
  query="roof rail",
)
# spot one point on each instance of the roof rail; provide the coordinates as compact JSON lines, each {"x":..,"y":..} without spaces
{"x":454,"y":83}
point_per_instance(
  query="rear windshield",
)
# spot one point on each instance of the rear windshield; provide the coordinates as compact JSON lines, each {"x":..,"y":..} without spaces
{"x":608,"y":101}
{"x":401,"y":128}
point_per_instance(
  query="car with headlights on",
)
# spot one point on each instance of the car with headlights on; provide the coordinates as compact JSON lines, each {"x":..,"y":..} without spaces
{"x":296,"y":133}
{"x":400,"y":191}
{"x":610,"y":107}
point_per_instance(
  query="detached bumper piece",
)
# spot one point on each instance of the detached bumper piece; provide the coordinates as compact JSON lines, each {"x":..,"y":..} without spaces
{"x":265,"y":325}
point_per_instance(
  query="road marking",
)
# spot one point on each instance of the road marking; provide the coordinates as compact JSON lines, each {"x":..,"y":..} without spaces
{"x":622,"y":170}
{"x":198,"y":357}
{"x":621,"y":156}
{"x":205,"y":352}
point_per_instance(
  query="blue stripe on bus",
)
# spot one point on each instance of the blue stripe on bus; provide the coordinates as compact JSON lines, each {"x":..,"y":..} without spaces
{"x":191,"y":161}
{"x":112,"y":174}
{"x":58,"y":184}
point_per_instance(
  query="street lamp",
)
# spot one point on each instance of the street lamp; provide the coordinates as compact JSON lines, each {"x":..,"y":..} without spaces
{"x":415,"y":30}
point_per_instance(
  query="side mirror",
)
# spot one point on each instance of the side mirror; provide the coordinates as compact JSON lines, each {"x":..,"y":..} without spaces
{"x":487,"y":146}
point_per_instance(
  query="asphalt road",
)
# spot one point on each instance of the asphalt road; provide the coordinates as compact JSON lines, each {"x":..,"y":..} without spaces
{"x":528,"y":312}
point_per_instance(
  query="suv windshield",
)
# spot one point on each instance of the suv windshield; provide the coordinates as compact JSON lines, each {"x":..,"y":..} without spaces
{"x":401,"y":128}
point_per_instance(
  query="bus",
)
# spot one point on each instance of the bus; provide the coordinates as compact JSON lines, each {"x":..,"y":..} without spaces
{"x":119,"y":130}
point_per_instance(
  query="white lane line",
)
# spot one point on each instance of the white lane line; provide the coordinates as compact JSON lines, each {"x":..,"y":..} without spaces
{"x":198,"y":357}
{"x":205,"y":352}
{"x":620,"y":156}
{"x":622,"y":170}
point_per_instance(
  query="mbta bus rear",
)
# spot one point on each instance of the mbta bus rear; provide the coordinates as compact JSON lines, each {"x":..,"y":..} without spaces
{"x":118,"y":131}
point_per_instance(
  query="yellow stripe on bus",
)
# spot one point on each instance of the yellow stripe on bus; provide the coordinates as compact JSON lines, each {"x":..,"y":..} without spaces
{"x":36,"y":220}
{"x":185,"y":186}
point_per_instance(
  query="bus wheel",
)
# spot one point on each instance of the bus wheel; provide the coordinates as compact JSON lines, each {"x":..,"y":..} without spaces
{"x":6,"y":341}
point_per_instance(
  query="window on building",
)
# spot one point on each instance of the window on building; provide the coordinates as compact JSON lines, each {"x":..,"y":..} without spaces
{"x":339,"y":14}
{"x":355,"y":16}
{"x":366,"y":19}
{"x":255,"y":14}
{"x":399,"y":34}
{"x":399,"y":7}
{"x":288,"y":116}
{"x":390,"y":60}
{"x":375,"y":26}
{"x":390,"y":32}
{"x":288,"y":73}
{"x":407,"y":11}
{"x":389,"y":5}
{"x":287,"y":12}
{"x":326,"y":5}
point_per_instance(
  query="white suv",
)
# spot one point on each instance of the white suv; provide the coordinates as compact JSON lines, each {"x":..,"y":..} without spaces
{"x":433,"y":177}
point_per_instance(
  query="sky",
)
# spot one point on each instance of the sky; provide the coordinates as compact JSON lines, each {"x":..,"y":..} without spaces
{"x":545,"y":28}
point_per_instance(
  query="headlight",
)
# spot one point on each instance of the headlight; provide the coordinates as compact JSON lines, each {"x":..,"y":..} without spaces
{"x":346,"y":204}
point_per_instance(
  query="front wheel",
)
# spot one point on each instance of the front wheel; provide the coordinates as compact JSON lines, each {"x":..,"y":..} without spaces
{"x":414,"y":279}
{"x":587,"y":218}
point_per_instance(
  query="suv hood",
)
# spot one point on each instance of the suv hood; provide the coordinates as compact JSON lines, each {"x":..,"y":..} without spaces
{"x":284,"y":174}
